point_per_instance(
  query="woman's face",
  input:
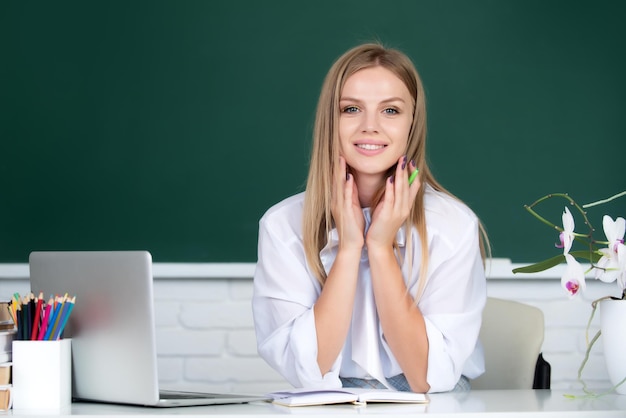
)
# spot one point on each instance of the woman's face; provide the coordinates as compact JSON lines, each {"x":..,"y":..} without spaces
{"x":376,"y":115}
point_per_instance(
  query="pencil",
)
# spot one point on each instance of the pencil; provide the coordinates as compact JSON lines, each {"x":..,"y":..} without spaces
{"x":53,"y":318}
{"x":14,"y":305}
{"x":45,"y":318}
{"x":64,"y":317}
{"x":33,"y":335}
{"x":57,"y":320}
{"x":11,"y":309}
{"x":25,"y":318}
{"x":18,"y":315}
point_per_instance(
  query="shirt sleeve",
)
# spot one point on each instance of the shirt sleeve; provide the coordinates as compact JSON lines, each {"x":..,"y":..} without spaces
{"x":283,"y":299}
{"x":452,"y":306}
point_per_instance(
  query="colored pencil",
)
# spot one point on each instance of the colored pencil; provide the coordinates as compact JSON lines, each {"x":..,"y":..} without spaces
{"x":55,"y":312}
{"x":45,"y":319}
{"x":36,"y":321}
{"x":11,"y":311}
{"x":27,"y":317}
{"x":64,"y":317}
{"x":57,"y":320}
{"x":20,"y":325}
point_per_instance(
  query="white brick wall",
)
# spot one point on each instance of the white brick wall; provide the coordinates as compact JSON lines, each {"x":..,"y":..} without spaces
{"x":205,"y":337}
{"x":206,"y":340}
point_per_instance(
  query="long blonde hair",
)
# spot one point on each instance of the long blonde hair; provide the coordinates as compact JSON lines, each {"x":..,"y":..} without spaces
{"x":317,"y":216}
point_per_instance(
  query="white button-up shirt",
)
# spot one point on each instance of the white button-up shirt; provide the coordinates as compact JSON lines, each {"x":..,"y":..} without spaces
{"x":285,"y":291}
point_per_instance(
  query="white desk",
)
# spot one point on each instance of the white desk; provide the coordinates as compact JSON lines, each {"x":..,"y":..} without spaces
{"x":477,"y":403}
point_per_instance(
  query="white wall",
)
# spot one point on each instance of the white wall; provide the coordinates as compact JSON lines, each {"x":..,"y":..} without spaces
{"x":206,"y":338}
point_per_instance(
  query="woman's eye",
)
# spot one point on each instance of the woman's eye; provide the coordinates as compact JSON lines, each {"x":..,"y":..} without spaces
{"x":391,"y":111}
{"x":350,"y":109}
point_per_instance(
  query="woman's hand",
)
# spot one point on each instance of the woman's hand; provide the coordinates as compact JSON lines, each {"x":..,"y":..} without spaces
{"x":346,"y":209}
{"x":401,"y":320}
{"x":333,"y":308}
{"x":395,"y":206}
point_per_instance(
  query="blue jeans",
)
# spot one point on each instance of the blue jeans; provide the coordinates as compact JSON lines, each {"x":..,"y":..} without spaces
{"x":399,"y":382}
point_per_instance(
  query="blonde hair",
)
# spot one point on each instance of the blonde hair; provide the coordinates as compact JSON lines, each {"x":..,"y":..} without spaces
{"x":317,"y":217}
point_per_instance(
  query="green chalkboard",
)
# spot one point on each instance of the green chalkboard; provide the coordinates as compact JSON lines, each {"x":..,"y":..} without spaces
{"x":173,"y":125}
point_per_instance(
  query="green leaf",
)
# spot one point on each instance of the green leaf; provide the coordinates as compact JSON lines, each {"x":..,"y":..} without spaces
{"x":542,"y":265}
{"x":593,"y":257}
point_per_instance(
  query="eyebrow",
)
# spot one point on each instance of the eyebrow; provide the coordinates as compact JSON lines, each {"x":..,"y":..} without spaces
{"x":389,"y":100}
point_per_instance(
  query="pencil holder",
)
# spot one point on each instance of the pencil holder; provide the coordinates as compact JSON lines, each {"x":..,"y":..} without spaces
{"x":42,"y":374}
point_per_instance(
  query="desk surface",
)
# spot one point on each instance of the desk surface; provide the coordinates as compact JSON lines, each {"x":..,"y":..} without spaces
{"x":476,"y":403}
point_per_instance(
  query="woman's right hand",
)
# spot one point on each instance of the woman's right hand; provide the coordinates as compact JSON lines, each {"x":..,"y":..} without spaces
{"x":346,"y":209}
{"x":333,"y":308}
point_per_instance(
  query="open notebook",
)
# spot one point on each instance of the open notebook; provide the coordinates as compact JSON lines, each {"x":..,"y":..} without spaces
{"x":114,"y":356}
{"x":357,"y":396}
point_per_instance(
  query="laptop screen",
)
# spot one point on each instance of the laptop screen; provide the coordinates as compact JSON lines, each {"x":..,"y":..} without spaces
{"x":112,"y":326}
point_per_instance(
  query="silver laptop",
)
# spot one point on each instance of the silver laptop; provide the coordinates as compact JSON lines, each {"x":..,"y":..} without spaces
{"x":114,"y":356}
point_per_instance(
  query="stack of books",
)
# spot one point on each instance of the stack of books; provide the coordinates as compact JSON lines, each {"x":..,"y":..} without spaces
{"x":7,"y":331}
{"x":5,"y":386}
{"x":7,"y":334}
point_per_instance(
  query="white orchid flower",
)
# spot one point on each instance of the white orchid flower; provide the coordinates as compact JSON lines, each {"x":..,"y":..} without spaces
{"x":573,"y":280}
{"x":614,"y":230}
{"x":610,"y":266}
{"x":621,"y":262}
{"x":567,"y":236}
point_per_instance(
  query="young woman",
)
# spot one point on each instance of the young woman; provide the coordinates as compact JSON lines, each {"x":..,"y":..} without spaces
{"x":365,"y":279}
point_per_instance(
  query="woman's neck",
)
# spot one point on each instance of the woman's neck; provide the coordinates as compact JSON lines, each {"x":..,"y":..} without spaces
{"x":368,"y":186}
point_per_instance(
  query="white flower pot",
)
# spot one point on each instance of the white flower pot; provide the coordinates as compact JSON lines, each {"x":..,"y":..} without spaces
{"x":613,"y":326}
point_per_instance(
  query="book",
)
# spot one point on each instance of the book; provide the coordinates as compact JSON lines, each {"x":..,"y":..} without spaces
{"x":358,"y":396}
{"x":6,"y":399}
{"x":5,"y":373}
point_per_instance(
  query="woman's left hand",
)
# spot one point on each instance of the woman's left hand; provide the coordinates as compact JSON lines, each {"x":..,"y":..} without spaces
{"x":395,"y":206}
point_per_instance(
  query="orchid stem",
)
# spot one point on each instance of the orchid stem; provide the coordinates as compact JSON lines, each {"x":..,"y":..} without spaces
{"x":542,"y":219}
{"x":583,"y":238}
{"x":600,"y":202}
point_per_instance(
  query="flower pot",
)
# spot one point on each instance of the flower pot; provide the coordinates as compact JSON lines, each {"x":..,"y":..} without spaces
{"x":613,"y":326}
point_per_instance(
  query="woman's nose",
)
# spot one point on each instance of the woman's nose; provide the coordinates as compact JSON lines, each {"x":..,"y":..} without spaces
{"x":369,"y":122}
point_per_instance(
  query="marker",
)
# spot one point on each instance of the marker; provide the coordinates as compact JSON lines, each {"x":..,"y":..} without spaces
{"x":413,"y":176}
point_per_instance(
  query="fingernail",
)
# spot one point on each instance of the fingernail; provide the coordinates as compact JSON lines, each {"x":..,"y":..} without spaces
{"x":413,"y":163}
{"x":391,"y":179}
{"x":404,"y":162}
{"x":347,"y":176}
